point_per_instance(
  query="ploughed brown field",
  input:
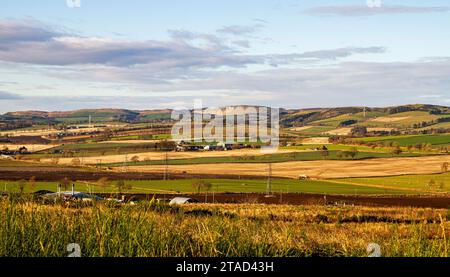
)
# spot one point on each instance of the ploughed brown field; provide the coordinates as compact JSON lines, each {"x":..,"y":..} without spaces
{"x":59,"y":173}
{"x":314,"y":169}
{"x":424,"y":201}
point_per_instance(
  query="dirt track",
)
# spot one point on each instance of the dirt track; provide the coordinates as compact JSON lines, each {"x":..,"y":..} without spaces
{"x":314,"y":169}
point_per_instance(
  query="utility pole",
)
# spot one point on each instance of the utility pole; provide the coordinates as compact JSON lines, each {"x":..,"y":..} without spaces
{"x":269,"y":180}
{"x":364,"y":112}
{"x":166,"y":166}
{"x":125,"y":163}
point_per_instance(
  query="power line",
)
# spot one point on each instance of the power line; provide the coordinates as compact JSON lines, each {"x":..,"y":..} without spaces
{"x":269,"y":180}
{"x":125,"y":163}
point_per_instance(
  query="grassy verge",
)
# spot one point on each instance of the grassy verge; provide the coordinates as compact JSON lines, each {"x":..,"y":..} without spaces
{"x":406,"y":140}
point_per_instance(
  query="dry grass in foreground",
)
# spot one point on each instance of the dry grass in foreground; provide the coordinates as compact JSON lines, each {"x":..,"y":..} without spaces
{"x":149,"y":229}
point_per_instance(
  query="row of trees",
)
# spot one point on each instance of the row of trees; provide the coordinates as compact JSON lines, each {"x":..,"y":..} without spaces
{"x":65,"y":183}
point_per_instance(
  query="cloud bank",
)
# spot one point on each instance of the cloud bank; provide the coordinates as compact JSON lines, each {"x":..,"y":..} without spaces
{"x":22,"y":42}
{"x":8,"y":96}
{"x":361,"y":10}
{"x":213,"y":67}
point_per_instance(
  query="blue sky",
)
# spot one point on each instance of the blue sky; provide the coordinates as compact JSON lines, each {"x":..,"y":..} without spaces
{"x":157,"y":54}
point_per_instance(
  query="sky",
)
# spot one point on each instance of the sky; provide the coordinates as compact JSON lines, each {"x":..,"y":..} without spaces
{"x":139,"y":54}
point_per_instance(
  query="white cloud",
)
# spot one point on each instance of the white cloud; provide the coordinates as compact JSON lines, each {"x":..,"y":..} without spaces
{"x":364,"y":10}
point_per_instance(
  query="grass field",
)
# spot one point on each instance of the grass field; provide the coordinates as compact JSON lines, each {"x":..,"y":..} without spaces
{"x":406,"y":140}
{"x":429,"y":182}
{"x":347,"y":147}
{"x":218,"y":185}
{"x":335,"y":121}
{"x":402,"y":120}
{"x":271,"y":158}
{"x":30,"y":229}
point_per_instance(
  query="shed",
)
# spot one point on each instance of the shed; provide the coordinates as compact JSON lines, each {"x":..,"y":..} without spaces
{"x":67,"y":195}
{"x":181,"y":201}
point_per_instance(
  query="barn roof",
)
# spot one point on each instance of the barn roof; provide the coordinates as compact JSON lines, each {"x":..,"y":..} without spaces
{"x":181,"y":200}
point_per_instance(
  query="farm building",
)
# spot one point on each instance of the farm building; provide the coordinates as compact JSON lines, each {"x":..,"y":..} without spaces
{"x":213,"y":148}
{"x":189,"y":148}
{"x":70,"y":195}
{"x":181,"y":201}
{"x":303,"y":177}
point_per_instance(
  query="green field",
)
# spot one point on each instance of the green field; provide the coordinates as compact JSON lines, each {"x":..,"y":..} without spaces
{"x":269,"y":158}
{"x":335,"y":121}
{"x":439,"y":182}
{"x":406,"y":140}
{"x":83,"y":119}
{"x":399,"y":120}
{"x":218,"y":185}
{"x":342,"y":147}
{"x":406,"y":119}
{"x":155,"y":116}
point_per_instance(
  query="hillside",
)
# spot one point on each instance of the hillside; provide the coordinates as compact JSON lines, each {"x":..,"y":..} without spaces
{"x":307,"y":121}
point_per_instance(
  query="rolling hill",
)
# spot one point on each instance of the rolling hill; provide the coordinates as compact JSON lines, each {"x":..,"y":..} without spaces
{"x":316,"y":121}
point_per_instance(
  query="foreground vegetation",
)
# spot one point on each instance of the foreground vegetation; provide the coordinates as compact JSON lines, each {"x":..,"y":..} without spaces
{"x":156,"y":230}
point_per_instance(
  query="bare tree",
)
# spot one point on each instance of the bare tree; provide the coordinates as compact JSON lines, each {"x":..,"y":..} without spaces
{"x":32,"y":183}
{"x":199,"y":185}
{"x":135,"y":159}
{"x":324,"y":154}
{"x":120,"y":185}
{"x":65,"y":182}
{"x":76,"y":162}
{"x":21,"y":185}
{"x":103,"y":182}
{"x":431,"y":184}
{"x":442,"y":186}
{"x":396,"y":151}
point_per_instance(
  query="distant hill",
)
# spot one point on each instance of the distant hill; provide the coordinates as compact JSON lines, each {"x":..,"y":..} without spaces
{"x":316,"y":120}
{"x":77,"y":116}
